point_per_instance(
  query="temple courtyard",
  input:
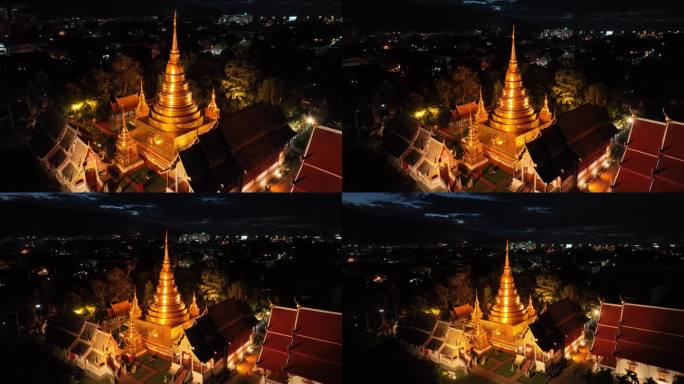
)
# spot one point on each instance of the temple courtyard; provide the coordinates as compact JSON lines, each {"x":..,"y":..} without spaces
{"x":497,"y":370}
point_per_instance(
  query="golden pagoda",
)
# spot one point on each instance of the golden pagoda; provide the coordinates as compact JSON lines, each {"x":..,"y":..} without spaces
{"x":194,"y":309}
{"x":481,"y":115}
{"x":126,"y":157}
{"x":133,"y":339}
{"x":212,"y":111}
{"x":514,"y":121}
{"x":508,"y":319}
{"x":480,"y":343}
{"x":545,"y":114}
{"x":473,"y":156}
{"x":531,"y":312}
{"x":507,"y":308}
{"x":167,"y":308}
{"x":136,"y":312}
{"x":142,"y":110}
{"x":166,"y":317}
{"x":175,"y":120}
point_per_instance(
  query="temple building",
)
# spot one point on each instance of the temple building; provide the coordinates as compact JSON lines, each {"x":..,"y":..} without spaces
{"x":513,"y":122}
{"x":643,"y":339}
{"x":302,"y":345}
{"x":413,"y":149}
{"x":175,"y":120}
{"x":83,"y":344}
{"x":218,"y":340}
{"x":243,"y":154}
{"x":167,"y":317}
{"x":321,"y":168}
{"x":569,"y":153}
{"x":556,"y":334}
{"x":653,"y":160}
{"x":61,"y":152}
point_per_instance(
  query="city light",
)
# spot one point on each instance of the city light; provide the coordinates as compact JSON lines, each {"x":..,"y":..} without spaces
{"x":310,"y":120}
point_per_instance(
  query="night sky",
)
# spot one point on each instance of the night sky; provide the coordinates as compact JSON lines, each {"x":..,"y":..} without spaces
{"x":464,"y":15}
{"x":231,"y":214}
{"x":613,"y":218}
{"x":194,"y":7}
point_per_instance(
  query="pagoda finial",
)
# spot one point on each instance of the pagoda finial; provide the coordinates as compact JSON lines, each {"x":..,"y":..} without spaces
{"x":513,"y":58}
{"x":166,"y":264}
{"x":142,"y":110}
{"x":481,"y":114}
{"x":175,"y":53}
{"x":507,"y":264}
{"x":212,"y":111}
{"x":124,"y":129}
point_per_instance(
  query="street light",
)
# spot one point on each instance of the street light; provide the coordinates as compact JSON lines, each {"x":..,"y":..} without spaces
{"x":310,"y":120}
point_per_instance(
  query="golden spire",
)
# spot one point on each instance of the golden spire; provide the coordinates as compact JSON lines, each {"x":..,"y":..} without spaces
{"x":175,"y":110}
{"x":141,"y":110}
{"x":507,"y":308}
{"x":530,"y":309}
{"x":175,"y":53}
{"x":194,"y":309}
{"x":167,"y":308}
{"x":513,"y":112}
{"x":126,"y":153}
{"x":476,"y":315}
{"x":545,"y":113}
{"x":212,"y":111}
{"x":133,"y":339}
{"x":136,"y":312}
{"x":481,"y":115}
{"x":513,"y":59}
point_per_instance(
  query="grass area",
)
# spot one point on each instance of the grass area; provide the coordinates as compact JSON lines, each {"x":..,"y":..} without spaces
{"x":479,"y":186}
{"x":505,"y":369}
{"x":157,"y":363}
{"x":501,"y":178}
{"x":471,"y":379}
{"x":158,"y":378}
{"x":538,"y":378}
{"x":491,"y":363}
{"x":140,"y":373}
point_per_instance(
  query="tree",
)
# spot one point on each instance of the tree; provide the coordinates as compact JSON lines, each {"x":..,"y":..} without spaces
{"x":240,"y":83}
{"x":269,"y":92}
{"x":595,"y":94}
{"x":487,"y":296}
{"x":602,"y":376}
{"x":461,"y":287}
{"x":568,"y":292}
{"x":126,"y":74}
{"x":100,"y":82}
{"x":148,"y":293}
{"x":569,"y":88}
{"x":118,"y":284}
{"x":628,"y":378}
{"x":547,"y":289}
{"x":461,"y":86}
{"x":213,"y":286}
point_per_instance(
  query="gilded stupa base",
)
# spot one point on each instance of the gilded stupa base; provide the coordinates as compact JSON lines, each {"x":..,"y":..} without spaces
{"x":161,"y":339}
{"x":504,"y":336}
{"x":159,"y":148}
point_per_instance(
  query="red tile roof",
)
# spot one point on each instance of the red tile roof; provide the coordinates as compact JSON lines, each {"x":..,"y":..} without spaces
{"x":304,"y":342}
{"x":645,"y":334}
{"x":128,"y":103}
{"x":654,"y":158}
{"x":119,"y":309}
{"x":321,"y":170}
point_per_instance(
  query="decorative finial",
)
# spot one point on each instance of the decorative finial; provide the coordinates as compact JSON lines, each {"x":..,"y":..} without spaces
{"x":507,"y":265}
{"x":513,"y":58}
{"x":166,"y":263}
{"x":175,"y":53}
